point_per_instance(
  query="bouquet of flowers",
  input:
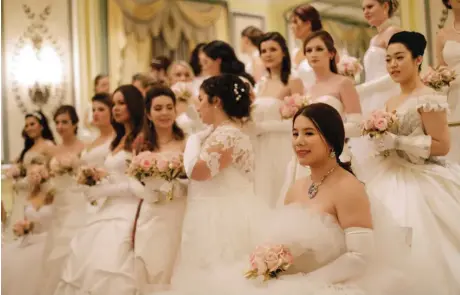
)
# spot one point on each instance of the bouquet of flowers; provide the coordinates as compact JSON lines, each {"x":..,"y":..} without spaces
{"x":90,"y":176}
{"x":166,"y":166}
{"x":378,"y":123}
{"x":291,"y":104}
{"x":269,"y":261}
{"x":66,"y":164}
{"x":349,"y":66}
{"x":439,"y":77}
{"x":37,"y":174}
{"x":183,"y":91}
{"x":23,"y":227}
{"x":16,"y":171}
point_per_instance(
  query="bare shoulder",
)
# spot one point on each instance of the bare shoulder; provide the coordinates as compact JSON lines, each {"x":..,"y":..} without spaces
{"x":344,"y":81}
{"x":349,"y":190}
{"x":48,"y":143}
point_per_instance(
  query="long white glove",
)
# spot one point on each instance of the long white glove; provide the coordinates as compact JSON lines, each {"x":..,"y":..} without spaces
{"x":368,"y":88}
{"x":360,"y":249}
{"x":352,"y":125}
{"x":193,"y":149}
{"x":121,"y":188}
{"x":416,"y":147}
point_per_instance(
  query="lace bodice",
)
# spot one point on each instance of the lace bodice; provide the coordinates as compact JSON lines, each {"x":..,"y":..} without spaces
{"x":409,"y":118}
{"x":34,"y":157}
{"x":41,"y":217}
{"x":229,"y":137}
{"x":96,"y":156}
{"x":374,"y":63}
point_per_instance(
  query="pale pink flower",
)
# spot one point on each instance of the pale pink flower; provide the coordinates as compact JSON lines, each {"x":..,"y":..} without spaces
{"x":162,"y":165}
{"x":381,"y":124}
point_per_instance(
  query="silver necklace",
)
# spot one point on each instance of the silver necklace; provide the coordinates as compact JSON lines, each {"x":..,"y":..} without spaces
{"x":313,"y":189}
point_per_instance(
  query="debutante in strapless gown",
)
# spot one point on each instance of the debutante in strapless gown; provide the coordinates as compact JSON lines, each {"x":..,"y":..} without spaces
{"x":379,"y":86}
{"x":451,"y":54}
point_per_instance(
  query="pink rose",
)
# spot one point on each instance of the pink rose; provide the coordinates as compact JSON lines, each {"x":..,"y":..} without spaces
{"x":369,"y":124}
{"x":175,"y":163}
{"x":272,"y":260}
{"x":146,"y":164}
{"x":162,"y":165}
{"x":381,"y":124}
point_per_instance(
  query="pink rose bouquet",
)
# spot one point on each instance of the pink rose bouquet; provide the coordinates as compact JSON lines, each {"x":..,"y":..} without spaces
{"x":23,"y":227}
{"x":269,"y":261}
{"x":349,"y":66}
{"x":16,"y":171}
{"x":439,"y":77}
{"x":66,"y":164}
{"x":378,"y":123}
{"x":37,"y":174}
{"x":90,"y":176}
{"x":291,"y":104}
{"x":142,"y":165}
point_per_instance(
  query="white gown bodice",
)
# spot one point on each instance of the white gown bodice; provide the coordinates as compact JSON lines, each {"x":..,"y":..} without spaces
{"x":96,"y":156}
{"x":330,"y":100}
{"x":41,"y":217}
{"x":266,"y":108}
{"x":375,"y":63}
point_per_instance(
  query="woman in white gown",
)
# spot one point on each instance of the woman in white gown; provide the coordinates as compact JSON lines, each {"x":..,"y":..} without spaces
{"x":378,"y":85}
{"x":420,"y":190}
{"x":221,"y":205}
{"x":102,"y":258}
{"x":336,"y":236}
{"x":448,"y":54}
{"x":159,"y":223}
{"x":331,"y":88}
{"x":305,"y":19}
{"x":38,"y":142}
{"x":22,"y":267}
{"x":250,"y":39}
{"x":272,"y":132}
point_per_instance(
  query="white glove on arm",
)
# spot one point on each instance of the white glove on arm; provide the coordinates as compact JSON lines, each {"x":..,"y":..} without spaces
{"x":352,"y":124}
{"x":193,"y":149}
{"x":122,"y":188}
{"x":418,"y":146}
{"x":353,"y":263}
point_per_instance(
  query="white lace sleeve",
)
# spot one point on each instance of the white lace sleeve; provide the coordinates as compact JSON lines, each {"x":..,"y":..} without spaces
{"x":227,"y":146}
{"x":435,"y":102}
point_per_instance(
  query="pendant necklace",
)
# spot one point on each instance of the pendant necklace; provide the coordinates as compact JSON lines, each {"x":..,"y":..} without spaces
{"x":313,"y":189}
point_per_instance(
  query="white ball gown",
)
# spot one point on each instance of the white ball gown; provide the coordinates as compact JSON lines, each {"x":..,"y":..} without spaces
{"x":220,"y":211}
{"x":158,"y":232}
{"x":451,"y":54}
{"x":322,"y":259}
{"x":422,"y":193}
{"x":22,"y":260}
{"x":101,"y":259}
{"x":272,"y":147}
{"x":378,"y":86}
{"x":20,"y":194}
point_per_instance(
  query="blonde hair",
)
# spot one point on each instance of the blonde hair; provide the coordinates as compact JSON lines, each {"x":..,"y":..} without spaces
{"x":393,"y":6}
{"x":183,"y":64}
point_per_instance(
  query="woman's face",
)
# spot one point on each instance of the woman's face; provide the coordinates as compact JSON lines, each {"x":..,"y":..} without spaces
{"x":317,"y":54}
{"x":101,"y":114}
{"x":374,"y":12}
{"x":120,"y":110}
{"x":308,"y":143}
{"x":299,"y":28}
{"x":205,"y":109}
{"x":162,"y":112}
{"x":103,"y":85}
{"x":271,"y":54}
{"x":209,"y":66}
{"x":179,"y":73}
{"x":32,"y":127}
{"x":64,"y":125}
{"x":400,"y":64}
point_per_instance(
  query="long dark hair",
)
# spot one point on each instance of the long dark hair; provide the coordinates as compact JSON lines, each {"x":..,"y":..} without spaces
{"x":151,"y":133}
{"x":46,"y":132}
{"x":194,"y":59}
{"x":230,"y":64}
{"x":329,"y":42}
{"x":307,"y":12}
{"x":134,"y":101}
{"x":70,"y":110}
{"x":330,"y":124}
{"x":286,"y":62}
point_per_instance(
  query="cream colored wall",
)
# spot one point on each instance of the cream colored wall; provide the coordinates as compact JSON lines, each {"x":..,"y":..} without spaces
{"x":14,"y":25}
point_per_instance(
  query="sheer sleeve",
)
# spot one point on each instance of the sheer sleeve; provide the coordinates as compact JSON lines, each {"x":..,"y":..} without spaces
{"x":225,"y":147}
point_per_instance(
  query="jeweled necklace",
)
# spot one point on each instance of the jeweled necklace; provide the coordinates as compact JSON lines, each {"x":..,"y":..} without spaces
{"x":313,"y":189}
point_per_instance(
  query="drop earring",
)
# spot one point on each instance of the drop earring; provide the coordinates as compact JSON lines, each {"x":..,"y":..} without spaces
{"x":332,"y":154}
